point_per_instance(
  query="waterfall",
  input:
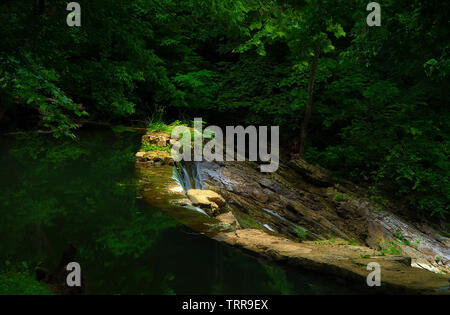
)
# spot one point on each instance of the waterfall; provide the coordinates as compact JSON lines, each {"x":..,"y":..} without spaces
{"x":198,"y":184}
{"x":188,"y":176}
{"x":178,"y":178}
{"x":184,"y":178}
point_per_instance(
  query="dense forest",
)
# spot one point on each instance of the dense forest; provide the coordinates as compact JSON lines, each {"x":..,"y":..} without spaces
{"x":369,"y":103}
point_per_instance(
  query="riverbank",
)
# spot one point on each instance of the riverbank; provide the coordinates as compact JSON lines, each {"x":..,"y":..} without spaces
{"x":58,"y":192}
{"x":300,"y":216}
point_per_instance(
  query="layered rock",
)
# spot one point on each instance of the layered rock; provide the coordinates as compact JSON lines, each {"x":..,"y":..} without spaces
{"x":348,"y":263}
{"x":292,"y":215}
{"x":160,"y":139}
{"x":207,"y":200}
{"x":300,"y":195}
{"x":158,"y":155}
{"x":155,"y":158}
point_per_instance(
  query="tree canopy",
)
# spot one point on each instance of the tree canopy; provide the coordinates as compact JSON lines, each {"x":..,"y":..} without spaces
{"x":377,"y":97}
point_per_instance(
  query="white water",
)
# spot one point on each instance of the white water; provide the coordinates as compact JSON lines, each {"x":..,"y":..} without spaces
{"x":276,"y":215}
{"x":184,"y":182}
{"x":197,"y":176}
{"x":268,"y":227}
{"x":178,"y":178}
{"x":197,"y":209}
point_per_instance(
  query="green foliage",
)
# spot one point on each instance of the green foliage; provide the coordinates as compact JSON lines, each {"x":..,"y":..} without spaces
{"x":398,"y":234}
{"x":393,"y":250}
{"x":136,"y":240}
{"x":56,"y":191}
{"x":339,"y":198}
{"x":18,"y":279}
{"x":389,"y":128}
{"x":326,"y":242}
{"x":353,"y":242}
{"x":153,"y":147}
{"x":157,"y":126}
{"x":278,"y":279}
{"x":156,"y":122}
{"x":302,"y":234}
{"x":29,"y":83}
{"x":401,"y":239}
{"x":379,"y":115}
{"x":21,"y":284}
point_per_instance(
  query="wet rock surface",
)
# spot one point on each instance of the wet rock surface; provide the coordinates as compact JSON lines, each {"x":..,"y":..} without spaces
{"x":207,"y":200}
{"x":344,"y":261}
{"x":324,"y":211}
{"x":300,"y":217}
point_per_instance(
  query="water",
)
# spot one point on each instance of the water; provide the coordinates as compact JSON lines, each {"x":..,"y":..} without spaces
{"x":56,"y":192}
{"x":188,"y":176}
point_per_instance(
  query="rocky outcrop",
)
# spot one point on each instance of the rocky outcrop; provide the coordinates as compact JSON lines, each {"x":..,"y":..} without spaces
{"x":155,"y":158}
{"x":312,"y":173}
{"x":229,"y":220}
{"x":300,"y":216}
{"x":300,"y":195}
{"x":343,"y":261}
{"x":160,"y":139}
{"x":207,"y":200}
{"x":154,"y":150}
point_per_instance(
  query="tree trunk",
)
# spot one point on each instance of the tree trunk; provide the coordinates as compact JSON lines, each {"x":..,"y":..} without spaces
{"x":306,"y":119}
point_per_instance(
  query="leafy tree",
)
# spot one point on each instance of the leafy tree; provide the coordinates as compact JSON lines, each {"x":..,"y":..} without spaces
{"x":366,"y":102}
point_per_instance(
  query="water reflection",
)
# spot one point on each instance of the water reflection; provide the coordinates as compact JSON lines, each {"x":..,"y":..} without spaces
{"x":56,"y":192}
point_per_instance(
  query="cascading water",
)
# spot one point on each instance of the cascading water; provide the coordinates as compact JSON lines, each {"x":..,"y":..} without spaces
{"x":186,"y":179}
{"x":188,"y":176}
{"x":185,"y":174}
{"x":196,"y":175}
{"x":176,"y":175}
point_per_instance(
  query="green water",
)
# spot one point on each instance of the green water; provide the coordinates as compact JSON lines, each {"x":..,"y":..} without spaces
{"x":55,"y":192}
